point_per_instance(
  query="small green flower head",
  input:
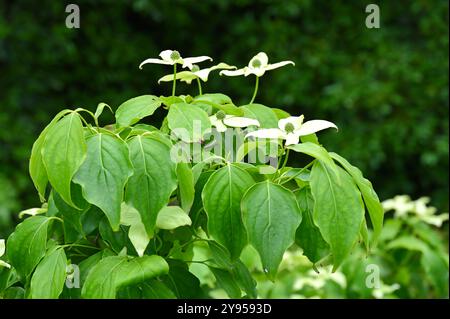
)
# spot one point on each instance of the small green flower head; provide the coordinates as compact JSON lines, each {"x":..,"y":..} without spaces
{"x":171,"y":57}
{"x":195,"y":68}
{"x":175,"y":55}
{"x":289,"y":128}
{"x":256,"y":63}
{"x":220,"y":115}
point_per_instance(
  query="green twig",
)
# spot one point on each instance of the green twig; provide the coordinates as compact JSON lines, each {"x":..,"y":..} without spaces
{"x":296,"y":174}
{"x":256,"y":90}
{"x":200,"y":92}
{"x":174,"y":86}
{"x":285,"y":159}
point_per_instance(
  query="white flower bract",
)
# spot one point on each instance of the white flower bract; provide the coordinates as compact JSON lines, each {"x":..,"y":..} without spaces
{"x":258,"y":65}
{"x":2,"y":252}
{"x":232,"y":121}
{"x":171,"y":57}
{"x":291,"y":128}
{"x":189,"y":76}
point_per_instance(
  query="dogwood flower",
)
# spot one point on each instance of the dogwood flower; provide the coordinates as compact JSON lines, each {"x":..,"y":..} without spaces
{"x":220,"y":121}
{"x":291,"y":128}
{"x":171,"y":57}
{"x":195,"y":73}
{"x":2,"y":252}
{"x":258,"y":65}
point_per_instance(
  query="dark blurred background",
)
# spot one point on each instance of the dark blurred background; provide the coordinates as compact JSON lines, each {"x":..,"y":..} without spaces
{"x":386,"y":88}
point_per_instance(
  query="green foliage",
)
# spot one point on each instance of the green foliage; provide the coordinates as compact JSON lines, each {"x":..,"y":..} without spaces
{"x":135,"y":216}
{"x":50,"y":275}
{"x":104,"y":174}
{"x":271,"y":217}
{"x":338,"y":209}
{"x":410,"y":261}
{"x":390,"y":83}
{"x":28,"y":244}
{"x":222,"y":197}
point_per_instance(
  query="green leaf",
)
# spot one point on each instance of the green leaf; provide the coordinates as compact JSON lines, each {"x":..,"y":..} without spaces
{"x":50,"y":275}
{"x":155,"y":289}
{"x":100,"y":108}
{"x":169,"y":100}
{"x":87,"y":264}
{"x":73,"y":227}
{"x":115,"y":272}
{"x":220,"y":255}
{"x":104,"y":173}
{"x":308,"y":235}
{"x":436,"y":269}
{"x":238,"y":270}
{"x":27,"y":244}
{"x":215,"y":98}
{"x":185,"y":185}
{"x":153,"y":181}
{"x":14,"y":293}
{"x":90,"y":219}
{"x":280,"y":114}
{"x":428,"y":234}
{"x":140,"y":269}
{"x":312,"y":138}
{"x":226,"y":281}
{"x":257,"y":151}
{"x":171,"y":217}
{"x":132,"y":110}
{"x":137,"y":234}
{"x":181,"y":281}
{"x":364,"y":234}
{"x":271,"y":216}
{"x":369,"y":195}
{"x":116,"y":240}
{"x":218,"y":101}
{"x":37,"y":169}
{"x":317,"y":152}
{"x":244,"y":279}
{"x":188,"y":122}
{"x":197,"y":214}
{"x":222,"y":196}
{"x":63,"y":152}
{"x":265,"y":115}
{"x":391,"y":228}
{"x":407,"y":242}
{"x":6,"y":275}
{"x":338,"y":209}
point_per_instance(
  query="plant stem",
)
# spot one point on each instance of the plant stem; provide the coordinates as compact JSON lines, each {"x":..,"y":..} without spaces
{"x":174,"y":86}
{"x":78,"y":245}
{"x":296,"y":174}
{"x":256,"y":90}
{"x":199,"y":261}
{"x":285,"y":159}
{"x":199,"y":87}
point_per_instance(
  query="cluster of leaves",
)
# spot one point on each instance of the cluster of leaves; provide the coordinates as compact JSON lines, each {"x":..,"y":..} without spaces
{"x":127,"y":207}
{"x":410,"y":261}
{"x":374,"y":81}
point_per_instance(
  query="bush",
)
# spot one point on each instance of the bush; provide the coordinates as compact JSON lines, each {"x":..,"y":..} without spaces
{"x":390,"y":83}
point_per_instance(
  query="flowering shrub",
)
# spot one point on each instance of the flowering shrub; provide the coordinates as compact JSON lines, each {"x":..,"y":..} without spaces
{"x":125,"y":204}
